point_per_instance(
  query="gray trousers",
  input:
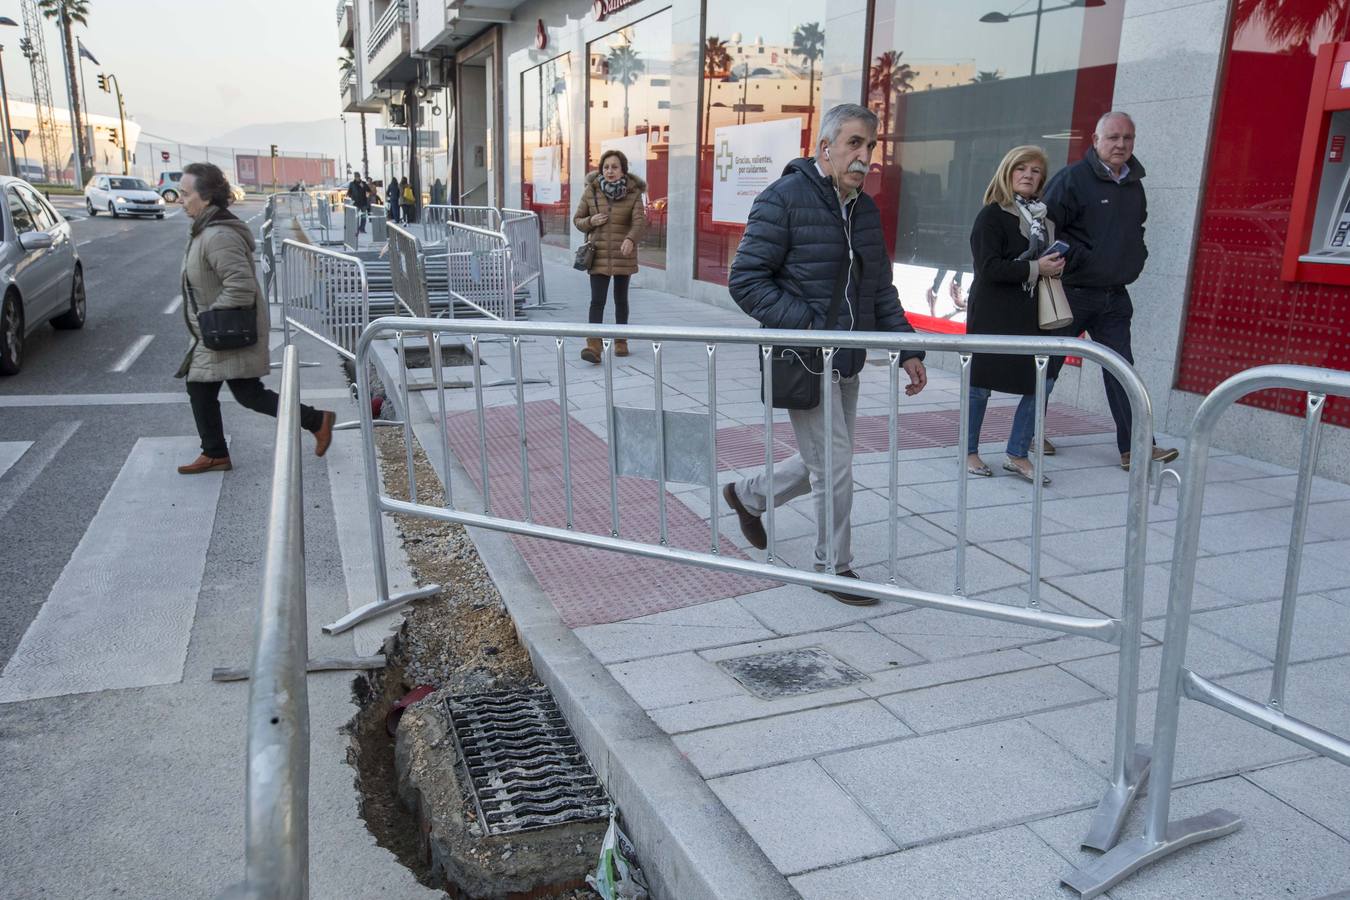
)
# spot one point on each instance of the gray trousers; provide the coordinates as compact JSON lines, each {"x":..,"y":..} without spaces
{"x":806,"y":472}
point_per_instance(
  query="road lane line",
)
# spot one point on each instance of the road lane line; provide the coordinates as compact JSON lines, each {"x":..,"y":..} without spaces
{"x":173,"y":305}
{"x":33,"y":463}
{"x":136,"y":349}
{"x":82,"y":243}
{"x":10,"y":451}
{"x":8,"y":401}
{"x":121,"y":612}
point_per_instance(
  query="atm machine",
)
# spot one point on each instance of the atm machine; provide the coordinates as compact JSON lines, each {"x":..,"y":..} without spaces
{"x":1317,"y":246}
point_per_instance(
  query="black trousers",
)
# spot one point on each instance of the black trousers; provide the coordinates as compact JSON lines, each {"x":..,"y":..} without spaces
{"x":250,"y":392}
{"x":1105,"y":313}
{"x":599,"y":289}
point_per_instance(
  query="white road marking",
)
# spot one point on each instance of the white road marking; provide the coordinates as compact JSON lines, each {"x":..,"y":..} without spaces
{"x":10,"y":451}
{"x":172,"y":308}
{"x":47,"y":447}
{"x":136,"y":349}
{"x":82,"y":243}
{"x":121,"y":612}
{"x":145,"y":399}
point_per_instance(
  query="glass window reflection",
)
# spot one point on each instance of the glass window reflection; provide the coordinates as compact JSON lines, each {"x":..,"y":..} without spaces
{"x":544,"y":147}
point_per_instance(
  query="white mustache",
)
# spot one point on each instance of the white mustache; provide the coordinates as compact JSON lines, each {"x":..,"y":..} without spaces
{"x":857,"y":167}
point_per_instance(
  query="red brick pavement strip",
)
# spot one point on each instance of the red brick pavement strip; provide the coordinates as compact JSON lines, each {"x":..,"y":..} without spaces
{"x":590,"y":587}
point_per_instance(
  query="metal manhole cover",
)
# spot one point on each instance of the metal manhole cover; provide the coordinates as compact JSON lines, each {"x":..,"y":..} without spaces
{"x":790,"y":673}
{"x":525,"y":767}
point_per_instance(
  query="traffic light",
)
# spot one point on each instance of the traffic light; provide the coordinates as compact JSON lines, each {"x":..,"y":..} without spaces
{"x":274,"y":151}
{"x":113,"y":137}
{"x":103,"y":82}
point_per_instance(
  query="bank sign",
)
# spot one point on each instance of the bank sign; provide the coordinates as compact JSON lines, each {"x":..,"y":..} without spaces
{"x":427,"y":139}
{"x":605,"y":8}
{"x":747,"y":159}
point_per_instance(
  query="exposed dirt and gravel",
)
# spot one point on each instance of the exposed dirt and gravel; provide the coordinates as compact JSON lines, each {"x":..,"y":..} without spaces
{"x":461,"y":639}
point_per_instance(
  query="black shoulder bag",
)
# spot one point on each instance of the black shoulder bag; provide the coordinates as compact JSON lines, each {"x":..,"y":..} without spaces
{"x":585,"y":255}
{"x":797,"y":370}
{"x":230,"y":328}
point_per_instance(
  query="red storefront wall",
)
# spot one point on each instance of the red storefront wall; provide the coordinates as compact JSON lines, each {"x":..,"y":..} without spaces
{"x":1240,"y":313}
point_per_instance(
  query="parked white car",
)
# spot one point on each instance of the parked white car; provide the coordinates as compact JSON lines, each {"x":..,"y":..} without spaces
{"x":122,"y":195}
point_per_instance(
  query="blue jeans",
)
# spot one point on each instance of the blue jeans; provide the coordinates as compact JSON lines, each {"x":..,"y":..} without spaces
{"x":1023,"y":425}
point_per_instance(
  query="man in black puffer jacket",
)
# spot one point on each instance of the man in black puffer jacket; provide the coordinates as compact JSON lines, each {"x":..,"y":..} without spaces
{"x":1098,"y":207}
{"x":810,"y":228}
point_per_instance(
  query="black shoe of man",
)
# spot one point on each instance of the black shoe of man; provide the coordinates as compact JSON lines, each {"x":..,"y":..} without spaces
{"x":851,"y":599}
{"x":751,"y":526}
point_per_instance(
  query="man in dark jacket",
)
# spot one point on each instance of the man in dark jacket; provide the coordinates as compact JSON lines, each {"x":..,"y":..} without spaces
{"x":359,"y":195}
{"x":1098,"y":206}
{"x":810,"y":230}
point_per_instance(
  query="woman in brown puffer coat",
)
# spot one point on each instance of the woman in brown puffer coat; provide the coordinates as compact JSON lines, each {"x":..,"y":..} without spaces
{"x":612,"y":214}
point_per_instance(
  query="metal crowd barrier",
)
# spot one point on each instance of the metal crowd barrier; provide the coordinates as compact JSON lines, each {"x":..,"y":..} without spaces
{"x":472,"y":271}
{"x":407,"y":274}
{"x":276,"y":817}
{"x":324,"y":294}
{"x":1162,"y":837}
{"x":436,"y":216}
{"x":648,"y":434}
{"x":525,"y":237}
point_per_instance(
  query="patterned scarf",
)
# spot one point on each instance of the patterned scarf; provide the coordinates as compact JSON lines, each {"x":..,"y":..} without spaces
{"x":614,"y":190}
{"x":1033,"y":211}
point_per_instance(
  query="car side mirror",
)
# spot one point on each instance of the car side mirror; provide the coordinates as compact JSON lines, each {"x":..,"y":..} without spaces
{"x":35,"y":240}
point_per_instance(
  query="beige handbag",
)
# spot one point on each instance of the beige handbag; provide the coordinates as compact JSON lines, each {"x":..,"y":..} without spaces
{"x":1052,"y":306}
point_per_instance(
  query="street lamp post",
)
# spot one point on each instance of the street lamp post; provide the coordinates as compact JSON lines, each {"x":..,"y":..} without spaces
{"x":346,"y":154}
{"x":998,"y":18}
{"x":4,"y":97}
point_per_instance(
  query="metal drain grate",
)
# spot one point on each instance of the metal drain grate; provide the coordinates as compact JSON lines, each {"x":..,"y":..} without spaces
{"x":524,"y":765}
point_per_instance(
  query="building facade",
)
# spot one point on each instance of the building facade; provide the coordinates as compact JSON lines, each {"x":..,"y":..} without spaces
{"x":708,"y":100}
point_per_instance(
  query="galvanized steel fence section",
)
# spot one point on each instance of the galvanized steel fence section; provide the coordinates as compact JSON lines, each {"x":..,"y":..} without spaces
{"x":1130,"y":761}
{"x":523,"y":234}
{"x":324,"y":294}
{"x":1162,"y":837}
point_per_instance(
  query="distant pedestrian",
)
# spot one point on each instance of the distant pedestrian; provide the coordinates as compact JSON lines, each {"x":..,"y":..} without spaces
{"x":409,"y":202}
{"x":218,"y":273}
{"x":437,"y":192}
{"x":613,"y":218}
{"x":1099,"y":205}
{"x":358,"y":192}
{"x":392,"y":200}
{"x":1008,"y":244}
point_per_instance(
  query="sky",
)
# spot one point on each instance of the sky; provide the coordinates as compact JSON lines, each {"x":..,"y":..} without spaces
{"x":192,"y":70}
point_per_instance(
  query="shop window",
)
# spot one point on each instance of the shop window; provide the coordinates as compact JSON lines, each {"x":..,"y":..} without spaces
{"x":630,"y":69}
{"x":956,"y":85}
{"x":749,"y":57}
{"x":544,"y":147}
{"x":1239,"y":312}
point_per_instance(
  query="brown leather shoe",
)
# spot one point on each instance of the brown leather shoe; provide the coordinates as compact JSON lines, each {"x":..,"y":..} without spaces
{"x":620,"y":348}
{"x":591,"y":352}
{"x":206,"y":463}
{"x":1160,"y":454}
{"x":751,"y":526}
{"x":851,"y":599}
{"x":324,"y":436}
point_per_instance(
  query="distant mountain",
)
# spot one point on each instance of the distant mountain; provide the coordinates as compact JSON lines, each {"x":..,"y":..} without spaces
{"x":320,"y":136}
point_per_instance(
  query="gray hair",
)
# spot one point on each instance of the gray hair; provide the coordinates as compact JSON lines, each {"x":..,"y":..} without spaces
{"x":836,"y":116}
{"x":1113,"y":114}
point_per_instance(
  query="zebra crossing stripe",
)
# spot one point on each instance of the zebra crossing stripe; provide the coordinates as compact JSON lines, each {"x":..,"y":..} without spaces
{"x":121,"y":612}
{"x":10,"y":451}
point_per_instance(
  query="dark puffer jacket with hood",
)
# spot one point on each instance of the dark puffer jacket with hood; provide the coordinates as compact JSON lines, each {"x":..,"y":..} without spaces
{"x":795,"y":243}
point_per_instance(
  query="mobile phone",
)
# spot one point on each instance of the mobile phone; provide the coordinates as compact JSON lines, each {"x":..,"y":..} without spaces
{"x":1057,"y":247}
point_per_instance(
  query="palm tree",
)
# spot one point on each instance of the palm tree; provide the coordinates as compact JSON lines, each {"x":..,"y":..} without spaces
{"x":808,"y":42}
{"x":1290,"y":24}
{"x":982,"y":76}
{"x":887,"y":76}
{"x":624,"y":67}
{"x":66,"y":12}
{"x":716,"y":63}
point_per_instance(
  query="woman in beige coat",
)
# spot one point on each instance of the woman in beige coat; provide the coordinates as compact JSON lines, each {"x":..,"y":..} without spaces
{"x":218,"y":273}
{"x":612,"y":215}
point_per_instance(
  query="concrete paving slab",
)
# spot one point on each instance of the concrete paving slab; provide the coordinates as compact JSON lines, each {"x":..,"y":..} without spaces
{"x":1321,"y":628}
{"x":1284,"y":485}
{"x":1259,"y":574}
{"x":1277,"y":853}
{"x":1205,"y":653}
{"x":1318,"y":788}
{"x":857,"y":644}
{"x":948,"y":784}
{"x":744,"y":708}
{"x":950,"y":670}
{"x":1314,"y":692}
{"x":1255,"y":529}
{"x":1100,"y":549}
{"x":792,"y":609}
{"x":800,"y":817}
{"x":872,"y":543}
{"x":984,"y":571}
{"x":1017,"y":552}
{"x":1210,"y":744}
{"x":996,"y":523}
{"x":1011,"y":863}
{"x":621,"y":641}
{"x":678,"y":678}
{"x":1009,"y":695}
{"x":1103,"y":591}
{"x":752,"y":745}
{"x":1067,"y":648}
{"x":938,"y":634}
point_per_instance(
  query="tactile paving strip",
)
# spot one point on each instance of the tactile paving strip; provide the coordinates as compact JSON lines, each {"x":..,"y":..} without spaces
{"x":525,"y":767}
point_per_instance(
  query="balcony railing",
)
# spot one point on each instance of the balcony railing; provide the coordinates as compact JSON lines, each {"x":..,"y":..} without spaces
{"x":345,"y":81}
{"x":385,"y":26}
